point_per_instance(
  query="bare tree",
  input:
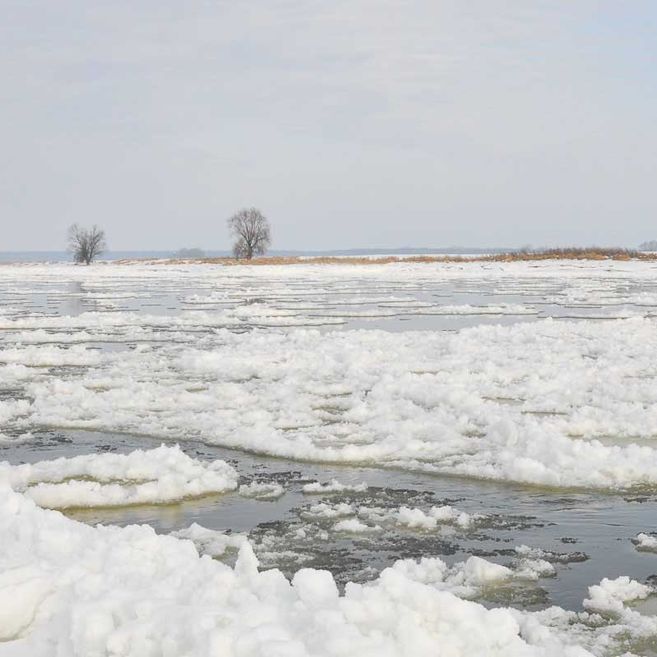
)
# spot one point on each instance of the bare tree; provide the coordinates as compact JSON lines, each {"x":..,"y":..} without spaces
{"x":251,"y":231}
{"x":86,"y":244}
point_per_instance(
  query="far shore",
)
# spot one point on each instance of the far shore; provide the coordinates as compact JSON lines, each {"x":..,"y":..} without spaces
{"x":551,"y":254}
{"x":572,"y":254}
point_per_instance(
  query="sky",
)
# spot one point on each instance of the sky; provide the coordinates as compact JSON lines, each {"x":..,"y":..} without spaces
{"x":349,"y":123}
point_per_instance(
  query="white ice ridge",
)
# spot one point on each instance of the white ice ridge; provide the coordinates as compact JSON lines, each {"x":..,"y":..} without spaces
{"x":552,"y":403}
{"x":81,"y":591}
{"x":157,"y":476}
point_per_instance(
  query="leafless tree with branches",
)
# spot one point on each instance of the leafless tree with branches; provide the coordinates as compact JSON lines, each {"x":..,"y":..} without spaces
{"x":251,"y":231}
{"x":86,"y":244}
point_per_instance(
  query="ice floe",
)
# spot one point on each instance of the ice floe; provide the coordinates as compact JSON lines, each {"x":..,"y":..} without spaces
{"x":210,"y":541}
{"x":354,"y":526}
{"x":333,"y":486}
{"x":366,"y":518}
{"x":261,"y":490}
{"x":646,"y":542}
{"x":158,"y":476}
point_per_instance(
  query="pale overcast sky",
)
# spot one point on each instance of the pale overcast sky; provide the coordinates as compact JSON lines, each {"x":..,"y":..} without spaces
{"x":350,"y":123}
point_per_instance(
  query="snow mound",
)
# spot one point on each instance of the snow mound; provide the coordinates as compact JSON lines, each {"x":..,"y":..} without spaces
{"x":158,"y":476}
{"x":71,"y":589}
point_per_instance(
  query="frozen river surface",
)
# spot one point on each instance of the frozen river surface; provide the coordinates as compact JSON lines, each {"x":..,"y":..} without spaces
{"x":468,"y":449}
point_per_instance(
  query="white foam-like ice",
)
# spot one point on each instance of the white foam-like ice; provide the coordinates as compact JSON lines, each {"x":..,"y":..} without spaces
{"x":534,"y":569}
{"x":210,"y":541}
{"x":365,"y":518}
{"x":72,"y":589}
{"x":261,"y":490}
{"x":158,"y":476}
{"x":416,"y":518}
{"x":324,"y":510}
{"x":610,"y":596}
{"x":557,"y":403}
{"x":333,"y":486}
{"x":552,"y":403}
{"x":646,"y":542}
{"x":354,"y":526}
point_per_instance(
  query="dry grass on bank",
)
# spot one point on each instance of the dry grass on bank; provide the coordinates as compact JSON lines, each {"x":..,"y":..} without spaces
{"x":591,"y":253}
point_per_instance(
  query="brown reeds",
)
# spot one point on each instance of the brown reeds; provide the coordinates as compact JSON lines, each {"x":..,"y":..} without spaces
{"x":569,"y":253}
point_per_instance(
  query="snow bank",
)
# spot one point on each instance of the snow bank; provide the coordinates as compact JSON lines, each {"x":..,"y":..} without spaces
{"x":158,"y":476}
{"x":71,"y":589}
